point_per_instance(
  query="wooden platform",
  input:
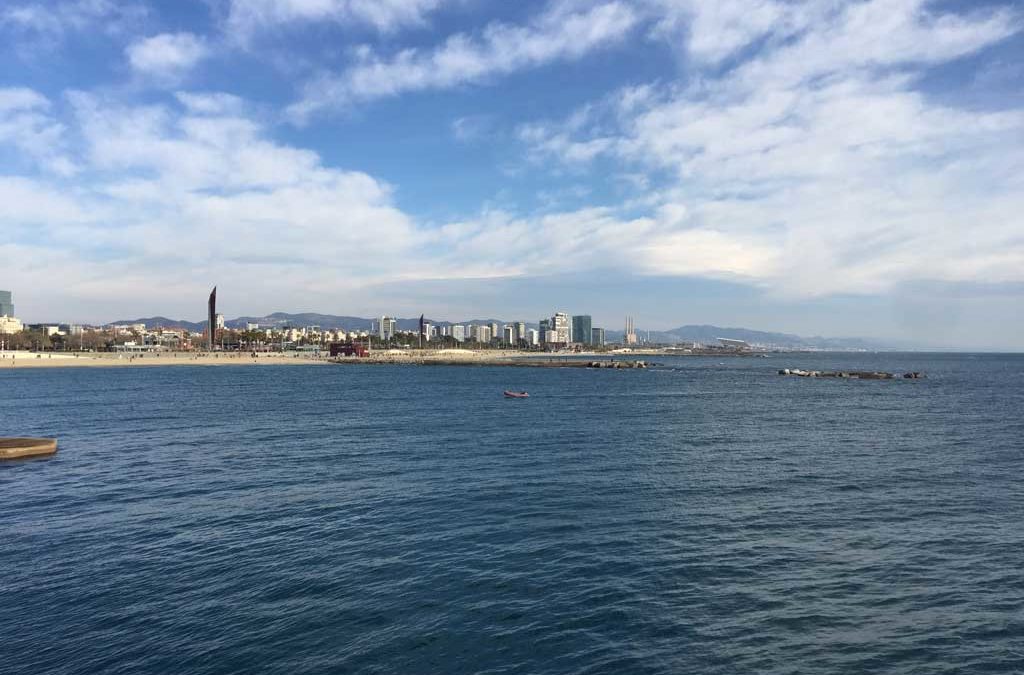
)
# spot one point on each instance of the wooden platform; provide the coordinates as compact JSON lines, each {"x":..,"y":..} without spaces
{"x":15,"y":448}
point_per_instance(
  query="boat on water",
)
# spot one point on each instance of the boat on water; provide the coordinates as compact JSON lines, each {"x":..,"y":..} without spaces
{"x":516,"y":394}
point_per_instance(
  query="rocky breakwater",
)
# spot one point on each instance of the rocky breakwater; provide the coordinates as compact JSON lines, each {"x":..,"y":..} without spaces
{"x":17,"y":448}
{"x":616,"y":364}
{"x":851,"y":374}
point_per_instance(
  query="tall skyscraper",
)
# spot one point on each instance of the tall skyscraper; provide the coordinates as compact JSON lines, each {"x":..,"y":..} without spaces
{"x":545,"y":328}
{"x":211,"y":318}
{"x":520,"y":331}
{"x":508,"y":335}
{"x":597,"y":337}
{"x":581,"y":327}
{"x":459,"y":333}
{"x":6,"y":304}
{"x":495,"y":330}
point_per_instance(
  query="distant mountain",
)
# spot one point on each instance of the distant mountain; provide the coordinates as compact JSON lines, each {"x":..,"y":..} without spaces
{"x":709,"y":334}
{"x":302,"y":320}
{"x":164,"y":322}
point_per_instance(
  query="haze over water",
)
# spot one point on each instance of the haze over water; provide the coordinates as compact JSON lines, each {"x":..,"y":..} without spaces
{"x":707,"y":517}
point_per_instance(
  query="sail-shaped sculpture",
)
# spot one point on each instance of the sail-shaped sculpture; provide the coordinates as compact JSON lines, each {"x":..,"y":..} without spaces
{"x":211,"y":319}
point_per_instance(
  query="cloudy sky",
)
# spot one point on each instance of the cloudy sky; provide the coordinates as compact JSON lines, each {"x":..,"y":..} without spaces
{"x":813,"y":166}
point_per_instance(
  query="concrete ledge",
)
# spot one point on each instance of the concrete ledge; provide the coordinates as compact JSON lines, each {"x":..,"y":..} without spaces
{"x":14,"y":448}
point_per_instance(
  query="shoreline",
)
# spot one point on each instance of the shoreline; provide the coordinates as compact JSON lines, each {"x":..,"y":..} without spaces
{"x":442,"y":357}
{"x":20,"y":360}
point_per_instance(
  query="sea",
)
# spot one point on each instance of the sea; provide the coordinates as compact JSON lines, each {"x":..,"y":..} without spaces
{"x":703,"y":516}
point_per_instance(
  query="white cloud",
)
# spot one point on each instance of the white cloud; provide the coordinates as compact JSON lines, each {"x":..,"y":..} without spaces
{"x":816,"y":167}
{"x":211,"y":103}
{"x":167,"y":55}
{"x":26,"y":124}
{"x":32,"y":30}
{"x":563,"y":32}
{"x":247,"y":16}
{"x":716,"y":30}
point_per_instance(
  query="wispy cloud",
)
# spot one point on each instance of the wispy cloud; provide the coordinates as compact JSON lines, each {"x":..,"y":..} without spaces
{"x":167,"y":56}
{"x":246,"y":17}
{"x":31,"y":28}
{"x":564,"y":31}
{"x":26,"y":123}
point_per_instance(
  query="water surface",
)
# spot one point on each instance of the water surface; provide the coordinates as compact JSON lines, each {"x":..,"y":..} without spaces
{"x":708,"y":516}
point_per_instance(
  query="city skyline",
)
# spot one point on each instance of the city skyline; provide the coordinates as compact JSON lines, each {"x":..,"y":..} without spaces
{"x":820,"y":168}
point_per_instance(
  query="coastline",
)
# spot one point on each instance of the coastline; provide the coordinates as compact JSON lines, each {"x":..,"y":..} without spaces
{"x":439,"y":357}
{"x":19,"y":360}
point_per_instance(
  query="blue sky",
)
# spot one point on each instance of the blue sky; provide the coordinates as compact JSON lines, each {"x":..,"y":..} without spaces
{"x":812,"y":166}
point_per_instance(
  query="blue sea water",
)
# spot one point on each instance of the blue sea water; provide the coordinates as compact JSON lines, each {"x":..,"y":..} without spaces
{"x":707,"y":516}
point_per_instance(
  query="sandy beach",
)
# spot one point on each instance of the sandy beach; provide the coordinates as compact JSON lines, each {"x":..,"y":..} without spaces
{"x":110,"y":360}
{"x":104,"y":359}
{"x":393,"y":356}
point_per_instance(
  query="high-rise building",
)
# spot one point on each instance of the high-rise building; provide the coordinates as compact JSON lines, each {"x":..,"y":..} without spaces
{"x":211,"y":318}
{"x":520,"y":331}
{"x":581,"y":327}
{"x":385,"y":328}
{"x":508,"y":335}
{"x":495,"y":330}
{"x":220,"y":322}
{"x":597,"y":337}
{"x":533,"y":337}
{"x":459,"y":333}
{"x":561,"y":328}
{"x":545,"y":328}
{"x":6,"y":304}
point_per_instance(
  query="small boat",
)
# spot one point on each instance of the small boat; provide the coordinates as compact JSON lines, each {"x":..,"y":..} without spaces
{"x":516,"y":394}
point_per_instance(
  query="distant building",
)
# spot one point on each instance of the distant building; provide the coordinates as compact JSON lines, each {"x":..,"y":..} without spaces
{"x":252,"y":326}
{"x":533,"y":337}
{"x":385,"y":328}
{"x":6,"y":304}
{"x":597,"y":337}
{"x":561,"y":327}
{"x":220,"y":322}
{"x":545,"y":328}
{"x":495,"y":330}
{"x":520,"y":331}
{"x":581,"y":328}
{"x":9,"y":325}
{"x":509,"y":335}
{"x":211,"y":318}
{"x":459,"y":333}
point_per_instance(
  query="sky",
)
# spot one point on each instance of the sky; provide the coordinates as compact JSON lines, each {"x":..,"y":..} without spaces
{"x":810,"y":166}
